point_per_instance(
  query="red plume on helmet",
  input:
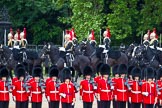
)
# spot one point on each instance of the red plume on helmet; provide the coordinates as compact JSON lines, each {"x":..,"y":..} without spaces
{"x":148,"y":33}
{"x":108,"y":33}
{"x":24,"y":33}
{"x":18,"y":33}
{"x":67,"y":31}
{"x":73,"y":33}
{"x":93,"y":36}
{"x":154,"y":30}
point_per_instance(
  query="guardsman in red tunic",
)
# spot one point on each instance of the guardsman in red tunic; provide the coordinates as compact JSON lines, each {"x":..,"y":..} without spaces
{"x":104,"y":87}
{"x":67,"y":89}
{"x":149,"y":91}
{"x":130,"y":80}
{"x":122,"y":86}
{"x":159,"y":87}
{"x":52,"y":88}
{"x":114,"y":80}
{"x":37,"y":88}
{"x":19,"y":92}
{"x":136,"y":95}
{"x":96,"y":79}
{"x":87,"y":88}
{"x":4,"y":90}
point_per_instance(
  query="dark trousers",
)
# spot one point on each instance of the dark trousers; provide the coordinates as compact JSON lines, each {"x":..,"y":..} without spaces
{"x":121,"y":104}
{"x":136,"y":105}
{"x":148,"y":105}
{"x":105,"y":104}
{"x":4,"y":104}
{"x":129,"y":105}
{"x":54,"y":104}
{"x":66,"y":105}
{"x":115,"y":104}
{"x":21,"y":104}
{"x":98,"y":104}
{"x":87,"y":104}
{"x":36,"y":104}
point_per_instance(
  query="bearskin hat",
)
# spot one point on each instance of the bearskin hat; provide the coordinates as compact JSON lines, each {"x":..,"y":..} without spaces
{"x":87,"y":71}
{"x":37,"y":72}
{"x":130,"y":68}
{"x":136,"y":72}
{"x":122,"y":69}
{"x":105,"y":69}
{"x":4,"y":72}
{"x":66,"y":74}
{"x":20,"y":72}
{"x":115,"y":70}
{"x":149,"y":72}
{"x":18,"y":66}
{"x":72,"y":70}
{"x":159,"y":73}
{"x":53,"y":71}
{"x":98,"y":68}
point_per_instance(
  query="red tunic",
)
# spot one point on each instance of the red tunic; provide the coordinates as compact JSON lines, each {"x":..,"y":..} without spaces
{"x":68,"y":90}
{"x":122,"y":90}
{"x":104,"y":90}
{"x":159,"y":83}
{"x":4,"y":93}
{"x":36,"y":93}
{"x":52,"y":91}
{"x":114,"y":80}
{"x":19,"y":92}
{"x":152,"y":93}
{"x":86,"y":91}
{"x":136,"y":95}
{"x":97,"y":79}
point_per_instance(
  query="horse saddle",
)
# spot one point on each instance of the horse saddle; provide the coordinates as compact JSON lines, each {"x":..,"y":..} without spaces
{"x":114,"y":54}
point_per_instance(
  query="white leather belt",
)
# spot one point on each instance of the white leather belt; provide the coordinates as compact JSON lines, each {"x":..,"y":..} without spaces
{"x":136,"y":92}
{"x":87,"y":91}
{"x":106,"y":90}
{"x":20,"y":91}
{"x":119,"y":90}
{"x":3,"y":91}
{"x":36,"y":92}
{"x":54,"y":91}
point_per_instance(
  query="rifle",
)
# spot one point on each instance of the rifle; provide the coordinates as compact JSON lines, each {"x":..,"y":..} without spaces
{"x":109,"y":81}
{"x":127,"y":83}
{"x":76,"y":85}
{"x":57,"y":83}
{"x":41,"y":84}
{"x":140,"y":83}
{"x":91,"y":81}
{"x":8,"y":85}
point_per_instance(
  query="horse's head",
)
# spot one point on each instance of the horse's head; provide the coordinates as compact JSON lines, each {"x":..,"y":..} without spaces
{"x":130,"y":49}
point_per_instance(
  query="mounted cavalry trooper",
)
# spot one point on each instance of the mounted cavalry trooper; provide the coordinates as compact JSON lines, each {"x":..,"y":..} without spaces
{"x":91,"y":39}
{"x":68,"y":48}
{"x":146,"y":38}
{"x":10,"y":39}
{"x":106,"y":39}
{"x":73,"y":35}
{"x":23,"y":39}
{"x":17,"y":41}
{"x":154,"y":39}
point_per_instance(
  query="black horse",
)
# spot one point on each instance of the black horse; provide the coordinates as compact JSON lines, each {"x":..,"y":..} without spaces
{"x":148,"y":57}
{"x":12,"y":57}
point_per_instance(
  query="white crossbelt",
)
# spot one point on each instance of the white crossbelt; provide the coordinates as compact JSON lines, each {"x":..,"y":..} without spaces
{"x":20,"y":91}
{"x":106,"y":90}
{"x":136,"y":92}
{"x":36,"y":92}
{"x":119,"y":90}
{"x":87,"y":91}
{"x":54,"y":91}
{"x":3,"y":91}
